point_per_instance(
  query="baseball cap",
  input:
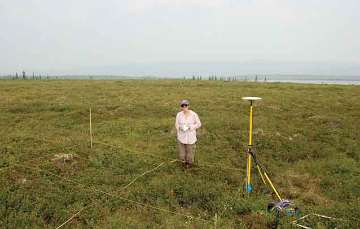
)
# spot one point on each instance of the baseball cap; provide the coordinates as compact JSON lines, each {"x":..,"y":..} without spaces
{"x":185,"y":101}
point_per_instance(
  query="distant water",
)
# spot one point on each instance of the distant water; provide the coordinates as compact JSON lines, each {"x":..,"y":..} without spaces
{"x":343,"y":80}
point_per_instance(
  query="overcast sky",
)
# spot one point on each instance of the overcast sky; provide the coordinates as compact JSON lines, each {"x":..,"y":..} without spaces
{"x":46,"y":34}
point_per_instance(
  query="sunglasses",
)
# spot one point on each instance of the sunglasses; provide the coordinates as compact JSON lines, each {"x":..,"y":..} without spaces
{"x":184,"y":105}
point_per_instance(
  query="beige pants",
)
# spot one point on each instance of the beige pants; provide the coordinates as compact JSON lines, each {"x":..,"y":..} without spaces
{"x":186,"y":152}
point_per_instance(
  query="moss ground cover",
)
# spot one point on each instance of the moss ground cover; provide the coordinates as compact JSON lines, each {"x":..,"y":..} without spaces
{"x":306,"y":136}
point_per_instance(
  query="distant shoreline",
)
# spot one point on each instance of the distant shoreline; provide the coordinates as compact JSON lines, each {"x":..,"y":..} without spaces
{"x":301,"y":79}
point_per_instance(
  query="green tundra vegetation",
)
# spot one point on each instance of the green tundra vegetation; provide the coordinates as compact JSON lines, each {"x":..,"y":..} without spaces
{"x":306,"y":137}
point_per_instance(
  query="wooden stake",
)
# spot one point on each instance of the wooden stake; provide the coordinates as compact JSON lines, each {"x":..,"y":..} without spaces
{"x":215,"y":221}
{"x":90,"y":131}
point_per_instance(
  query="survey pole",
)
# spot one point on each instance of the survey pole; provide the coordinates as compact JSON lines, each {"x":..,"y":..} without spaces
{"x":248,"y":187}
{"x":248,"y":166}
{"x":91,"y":139}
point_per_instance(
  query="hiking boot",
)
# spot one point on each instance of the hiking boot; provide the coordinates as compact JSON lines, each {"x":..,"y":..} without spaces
{"x":191,"y":165}
{"x":184,"y":166}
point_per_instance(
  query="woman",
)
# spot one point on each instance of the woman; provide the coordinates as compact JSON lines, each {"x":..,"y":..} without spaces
{"x":186,"y":123}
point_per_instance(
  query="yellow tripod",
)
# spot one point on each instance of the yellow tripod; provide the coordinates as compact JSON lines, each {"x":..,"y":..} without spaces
{"x":251,"y":155}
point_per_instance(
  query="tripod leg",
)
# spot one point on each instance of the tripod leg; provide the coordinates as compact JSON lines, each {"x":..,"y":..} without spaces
{"x":267,"y":177}
{"x":272,"y":186}
{"x":262,"y":177}
{"x":258,"y":166}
